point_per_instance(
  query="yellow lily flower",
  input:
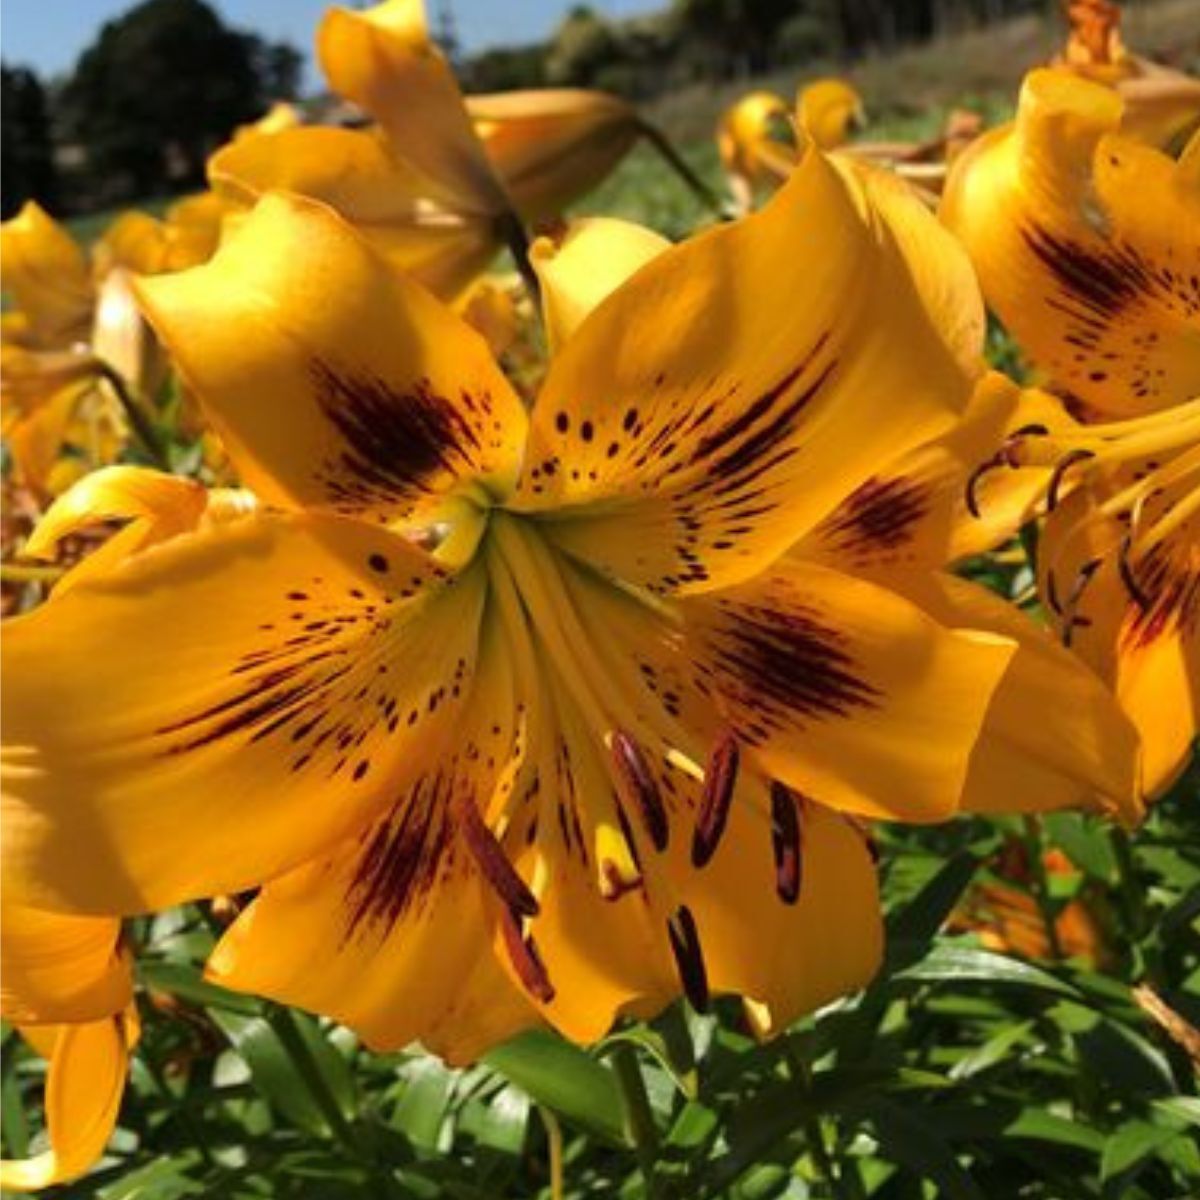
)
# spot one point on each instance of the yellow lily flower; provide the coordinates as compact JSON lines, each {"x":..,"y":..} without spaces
{"x":1161,"y":105}
{"x":607,"y":723}
{"x":187,"y":236}
{"x":68,"y":988}
{"x":550,"y":146}
{"x":757,"y":141}
{"x":76,"y":322}
{"x":46,"y":273}
{"x":437,"y":184}
{"x":1087,"y":244}
{"x":1084,"y":242}
{"x":906,"y":524}
{"x":757,"y":145}
{"x":828,"y":111}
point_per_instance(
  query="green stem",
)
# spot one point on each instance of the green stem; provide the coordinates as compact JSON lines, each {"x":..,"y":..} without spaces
{"x":140,"y":423}
{"x":679,"y":165}
{"x":554,"y":1140}
{"x":512,"y":233}
{"x":639,"y":1116}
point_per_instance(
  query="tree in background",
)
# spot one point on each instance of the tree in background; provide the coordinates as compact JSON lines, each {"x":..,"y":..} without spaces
{"x":26,"y":152}
{"x":162,"y":86}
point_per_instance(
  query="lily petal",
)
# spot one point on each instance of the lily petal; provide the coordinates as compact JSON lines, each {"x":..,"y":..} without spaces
{"x":376,"y":404}
{"x":47,"y":274}
{"x":1081,"y":751}
{"x":594,"y":257}
{"x":401,"y":917}
{"x":379,"y":193}
{"x":550,"y":146}
{"x":85,"y":1083}
{"x":827,"y":110}
{"x":734,"y":390}
{"x":383,"y":59}
{"x":917,"y":513}
{"x":61,"y":969}
{"x":843,"y":690}
{"x":221,"y":706}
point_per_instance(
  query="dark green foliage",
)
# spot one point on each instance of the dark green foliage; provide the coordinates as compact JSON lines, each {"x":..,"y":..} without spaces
{"x":161,"y":87}
{"x":26,"y":154}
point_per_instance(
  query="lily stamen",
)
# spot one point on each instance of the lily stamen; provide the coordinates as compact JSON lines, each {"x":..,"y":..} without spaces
{"x":786,"y":835}
{"x":689,"y":957}
{"x":525,"y":958}
{"x":494,"y":864}
{"x":720,"y":779}
{"x":1071,"y":619}
{"x":640,"y":787}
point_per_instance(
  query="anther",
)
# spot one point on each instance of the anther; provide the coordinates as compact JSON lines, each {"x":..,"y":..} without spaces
{"x":1061,"y":467}
{"x":689,"y":958}
{"x":973,"y":480}
{"x":1072,"y":620}
{"x":493,"y":863}
{"x":786,"y":837}
{"x":1128,"y":578}
{"x":720,"y":779}
{"x":526,"y":961}
{"x":641,"y":787}
{"x":1004,"y":457}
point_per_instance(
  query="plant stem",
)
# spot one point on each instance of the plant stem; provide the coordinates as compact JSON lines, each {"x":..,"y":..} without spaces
{"x":638,"y":1114}
{"x":679,"y":165}
{"x":554,"y":1139}
{"x":513,"y":234}
{"x":140,"y":423}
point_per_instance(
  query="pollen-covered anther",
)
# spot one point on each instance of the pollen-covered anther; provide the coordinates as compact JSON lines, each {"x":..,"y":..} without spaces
{"x":689,"y":958}
{"x":720,"y":780}
{"x":786,"y":842}
{"x":493,"y":863}
{"x":639,"y":787}
{"x":525,"y":958}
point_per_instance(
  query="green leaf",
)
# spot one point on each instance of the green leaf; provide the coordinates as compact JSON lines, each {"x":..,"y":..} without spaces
{"x":272,"y":1070}
{"x":958,"y":963}
{"x":186,"y":981}
{"x":914,"y":1144}
{"x":1131,"y":1145}
{"x":425,"y":1101}
{"x":994,"y":1050}
{"x":500,"y":1122}
{"x":1085,"y":843}
{"x":912,"y":929}
{"x":565,"y":1079}
{"x":1186,"y":1108}
{"x":643,"y":1038}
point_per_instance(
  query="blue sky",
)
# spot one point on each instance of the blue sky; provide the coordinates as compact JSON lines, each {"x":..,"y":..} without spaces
{"x":49,"y":35}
